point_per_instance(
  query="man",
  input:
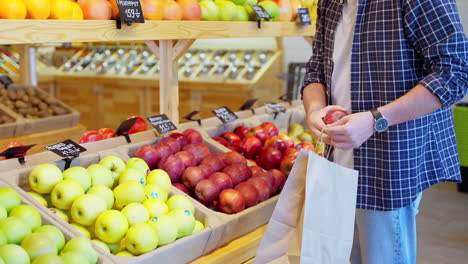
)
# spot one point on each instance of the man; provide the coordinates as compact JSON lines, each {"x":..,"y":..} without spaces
{"x":397,"y":67}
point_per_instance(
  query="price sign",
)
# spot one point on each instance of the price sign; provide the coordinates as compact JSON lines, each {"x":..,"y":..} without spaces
{"x":224,"y":114}
{"x":66,"y":149}
{"x":304,"y":16}
{"x":248,"y":104}
{"x":276,"y":107}
{"x":162,"y":123}
{"x":261,"y":12}
{"x":16,"y":151}
{"x":6,"y":81}
{"x":130,"y":11}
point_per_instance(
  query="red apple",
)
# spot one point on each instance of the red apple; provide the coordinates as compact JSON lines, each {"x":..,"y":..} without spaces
{"x":269,"y":158}
{"x":246,"y":171}
{"x":251,"y":146}
{"x":287,"y":139}
{"x":287,"y":164}
{"x":193,"y":136}
{"x":262,"y":188}
{"x":252,"y":161}
{"x":236,"y":174}
{"x":148,"y":154}
{"x":241,"y":131}
{"x":181,"y":187}
{"x":222,"y":180}
{"x":207,"y":191}
{"x":231,"y":201}
{"x":249,"y":192}
{"x":235,"y":157}
{"x":199,"y":151}
{"x":276,"y":142}
{"x":180,"y":139}
{"x":269,"y":180}
{"x":232,"y":139}
{"x":270,"y":128}
{"x":221,"y":141}
{"x":172,"y":142}
{"x":334,"y":115}
{"x":163,"y":149}
{"x":191,"y":176}
{"x":255,"y":169}
{"x":305,"y":145}
{"x":173,"y":165}
{"x":207,"y":170}
{"x":187,"y":158}
{"x":138,"y":126}
{"x":214,"y":162}
{"x":258,"y":132}
{"x":292,"y":152}
{"x":106,"y":132}
{"x":90,"y":136}
{"x":279,"y":178}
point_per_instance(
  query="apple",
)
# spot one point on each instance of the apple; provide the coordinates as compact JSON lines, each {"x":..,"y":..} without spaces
{"x":104,"y":192}
{"x":172,"y":142}
{"x":127,"y":193}
{"x":154,"y":191}
{"x":106,"y":132}
{"x":255,"y":169}
{"x":37,"y":244}
{"x":100,"y":175}
{"x":83,"y":246}
{"x":43,"y":178}
{"x":3,"y":239}
{"x":124,"y":254}
{"x":72,"y":257}
{"x":114,"y":164}
{"x":191,"y":176}
{"x":270,"y":128}
{"x":48,"y":259}
{"x":295,"y":129}
{"x":232,"y":139}
{"x":334,"y":115}
{"x":114,"y":248}
{"x":180,"y":139}
{"x":37,"y":196}
{"x":206,"y":170}
{"x":149,"y":155}
{"x":199,"y":151}
{"x":82,"y":229}
{"x":235,"y":173}
{"x":179,"y":201}
{"x":163,"y":149}
{"x":269,"y":180}
{"x":193,"y":136}
{"x":79,"y":174}
{"x":165,"y":228}
{"x":241,"y":131}
{"x":141,"y":238}
{"x":221,"y":179}
{"x":3,"y":212}
{"x":138,"y":126}
{"x":306,"y":136}
{"x":279,"y":178}
{"x":235,"y":157}
{"x":135,"y":213}
{"x":9,"y":198}
{"x":258,"y":132}
{"x":223,"y":159}
{"x":251,"y":146}
{"x":173,"y":165}
{"x":246,"y":171}
{"x":269,"y":158}
{"x":155,"y":207}
{"x":207,"y":191}
{"x":249,"y":192}
{"x":210,"y":11}
{"x":277,"y":142}
{"x":101,"y":244}
{"x":271,"y":8}
{"x":160,"y":178}
{"x":28,"y":214}
{"x":59,"y":213}
{"x":184,"y":220}
{"x":86,"y":208}
{"x":90,"y":136}
{"x":14,"y":254}
{"x":262,"y":188}
{"x":198,"y":226}
{"x":187,"y":158}
{"x":181,"y":187}
{"x":65,"y":192}
{"x":220,"y":140}
{"x":227,"y":10}
{"x":287,"y":164}
{"x":306,"y":146}
{"x":137,"y":163}
{"x":111,"y":226}
{"x":53,"y":233}
{"x":231,"y":201}
{"x":132,"y":174}
{"x":15,"y":229}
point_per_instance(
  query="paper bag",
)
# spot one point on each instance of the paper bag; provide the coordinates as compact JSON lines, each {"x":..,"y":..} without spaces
{"x":313,"y":222}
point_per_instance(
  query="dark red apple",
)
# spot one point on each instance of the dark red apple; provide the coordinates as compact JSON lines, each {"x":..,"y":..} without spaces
{"x":269,"y":158}
{"x":262,"y":188}
{"x":259,"y":133}
{"x":252,"y":161}
{"x":245,"y":169}
{"x":241,"y":131}
{"x":191,"y":176}
{"x":231,"y":201}
{"x":235,"y":157}
{"x":287,"y":139}
{"x":148,"y":154}
{"x":172,"y":142}
{"x":199,"y":151}
{"x":232,"y":139}
{"x":187,"y":158}
{"x":163,"y":149}
{"x":305,"y":145}
{"x":334,"y":115}
{"x":255,"y":169}
{"x":270,"y":128}
{"x":251,"y":146}
{"x":236,"y":174}
{"x":173,"y":165}
{"x":193,"y":136}
{"x":207,"y":170}
{"x":269,"y":180}
{"x":287,"y":164}
{"x":214,"y":162}
{"x":249,"y":192}
{"x":276,"y":142}
{"x":90,"y":136}
{"x":222,"y":180}
{"x":221,"y":141}
{"x":181,"y":187}
{"x":207,"y":190}
{"x":180,"y":138}
{"x":223,"y":159}
{"x":279,"y":178}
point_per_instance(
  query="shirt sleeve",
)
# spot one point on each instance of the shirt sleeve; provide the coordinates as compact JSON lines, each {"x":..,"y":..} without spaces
{"x":434,"y":29}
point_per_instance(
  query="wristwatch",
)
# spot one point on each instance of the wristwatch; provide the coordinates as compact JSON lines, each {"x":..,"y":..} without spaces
{"x":381,"y":123}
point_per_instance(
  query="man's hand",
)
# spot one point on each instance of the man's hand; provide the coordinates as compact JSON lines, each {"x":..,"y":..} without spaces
{"x":350,"y":131}
{"x":314,"y":121}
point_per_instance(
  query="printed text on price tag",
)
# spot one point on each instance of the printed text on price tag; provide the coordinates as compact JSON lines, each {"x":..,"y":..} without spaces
{"x":225,"y":114}
{"x":66,"y":149}
{"x":276,"y":107}
{"x":162,"y":124}
{"x":130,"y":11}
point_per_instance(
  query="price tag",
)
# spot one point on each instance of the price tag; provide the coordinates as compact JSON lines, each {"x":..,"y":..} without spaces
{"x":190,"y":116}
{"x":130,"y":11}
{"x":66,"y":149}
{"x":304,"y":16}
{"x":248,"y":104}
{"x":162,"y":124}
{"x":225,"y":114}
{"x":6,"y":81}
{"x":276,"y":107}
{"x":261,"y":12}
{"x":14,"y":152}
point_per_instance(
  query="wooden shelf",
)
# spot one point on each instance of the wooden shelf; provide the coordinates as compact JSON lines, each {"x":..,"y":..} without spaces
{"x":53,"y":31}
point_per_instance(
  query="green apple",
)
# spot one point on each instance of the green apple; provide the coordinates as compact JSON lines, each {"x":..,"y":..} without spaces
{"x":155,"y":191}
{"x":102,"y":245}
{"x":65,"y":193}
{"x":86,"y":208}
{"x":295,"y":129}
{"x":15,"y":229}
{"x":29,"y":214}
{"x":127,"y":193}
{"x":141,"y":238}
{"x":111,"y":226}
{"x":82,"y":229}
{"x":155,"y":207}
{"x":114,"y":164}
{"x":104,"y":192}
{"x":82,"y":245}
{"x":124,"y":254}
{"x":123,"y":244}
{"x":48,"y":259}
{"x":1,"y":261}
{"x":251,"y":2}
{"x":47,"y":198}
{"x":305,"y":137}
{"x":198,"y":226}
{"x":60,"y":213}
{"x":14,"y":254}
{"x":3,"y":212}
{"x":272,"y":9}
{"x":100,"y":175}
{"x":227,"y":10}
{"x":131,"y":174}
{"x":38,"y":197}
{"x":3,"y":238}
{"x":160,"y":177}
{"x":9,"y":198}
{"x":37,"y":244}
{"x":242,"y":14}
{"x":239,"y":2}
{"x":73,"y":257}
{"x":53,"y":233}
{"x":114,"y":247}
{"x":80,"y":174}
{"x":184,"y":220}
{"x":135,"y":213}
{"x":180,"y":201}
{"x":44,"y":177}
{"x":210,"y":11}
{"x":139,"y":164}
{"x":165,"y":227}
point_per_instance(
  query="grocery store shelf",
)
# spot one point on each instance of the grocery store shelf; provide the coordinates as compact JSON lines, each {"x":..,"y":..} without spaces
{"x":54,"y":31}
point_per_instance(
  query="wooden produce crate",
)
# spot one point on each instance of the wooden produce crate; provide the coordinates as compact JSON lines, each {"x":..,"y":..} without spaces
{"x":13,"y":128}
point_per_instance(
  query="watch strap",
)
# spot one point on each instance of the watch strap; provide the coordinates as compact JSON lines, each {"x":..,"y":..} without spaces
{"x":376,"y":113}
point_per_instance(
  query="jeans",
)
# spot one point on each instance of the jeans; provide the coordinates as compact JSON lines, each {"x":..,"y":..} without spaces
{"x":386,"y":237}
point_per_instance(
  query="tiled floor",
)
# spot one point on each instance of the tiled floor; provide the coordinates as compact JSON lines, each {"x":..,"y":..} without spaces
{"x":443,"y":226}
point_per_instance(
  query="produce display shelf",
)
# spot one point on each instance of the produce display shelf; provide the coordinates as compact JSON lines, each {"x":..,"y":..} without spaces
{"x":55,"y":31}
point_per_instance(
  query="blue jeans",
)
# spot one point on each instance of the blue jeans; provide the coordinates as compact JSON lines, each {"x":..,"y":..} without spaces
{"x":386,"y":237}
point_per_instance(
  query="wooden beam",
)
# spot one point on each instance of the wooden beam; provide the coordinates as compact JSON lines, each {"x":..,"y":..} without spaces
{"x":168,"y":82}
{"x":28,"y":71}
{"x":153,"y":45}
{"x":181,"y":46}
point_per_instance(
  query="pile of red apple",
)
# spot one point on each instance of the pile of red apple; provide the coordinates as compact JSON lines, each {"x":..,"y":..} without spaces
{"x":105,"y":133}
{"x":220,"y":181}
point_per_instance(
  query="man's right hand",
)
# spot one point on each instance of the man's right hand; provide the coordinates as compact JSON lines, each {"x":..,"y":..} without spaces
{"x":315,"y":123}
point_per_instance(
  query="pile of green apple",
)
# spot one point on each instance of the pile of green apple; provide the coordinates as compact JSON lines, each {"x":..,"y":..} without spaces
{"x":23,"y":238}
{"x":122,"y":206}
{"x":299,"y":134}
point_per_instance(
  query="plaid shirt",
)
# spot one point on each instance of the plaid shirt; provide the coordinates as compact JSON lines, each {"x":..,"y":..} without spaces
{"x":398,"y":44}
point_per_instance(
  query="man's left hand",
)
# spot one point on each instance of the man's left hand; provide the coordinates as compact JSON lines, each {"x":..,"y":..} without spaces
{"x":351,"y":131}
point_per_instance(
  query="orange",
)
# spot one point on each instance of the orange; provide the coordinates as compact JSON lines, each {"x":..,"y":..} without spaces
{"x":12,"y":9}
{"x":61,"y":9}
{"x":77,"y":13}
{"x":37,"y":9}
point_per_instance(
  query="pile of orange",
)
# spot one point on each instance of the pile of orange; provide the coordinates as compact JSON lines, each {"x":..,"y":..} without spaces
{"x":40,"y":9}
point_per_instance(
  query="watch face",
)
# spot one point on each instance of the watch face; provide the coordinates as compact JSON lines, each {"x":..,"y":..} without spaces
{"x":381,"y":124}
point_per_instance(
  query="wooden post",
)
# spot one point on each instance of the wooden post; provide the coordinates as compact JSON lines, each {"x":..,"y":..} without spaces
{"x":28,"y":70}
{"x":168,"y":81}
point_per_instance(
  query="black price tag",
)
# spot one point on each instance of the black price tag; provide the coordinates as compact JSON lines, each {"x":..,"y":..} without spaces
{"x":224,"y":114}
{"x":304,"y":16}
{"x":162,"y":124}
{"x":125,"y":126}
{"x":261,"y":12}
{"x":66,"y":149}
{"x":130,"y":11}
{"x":6,"y":81}
{"x":248,"y":104}
{"x":276,"y":107}
{"x":14,"y":152}
{"x":190,"y":116}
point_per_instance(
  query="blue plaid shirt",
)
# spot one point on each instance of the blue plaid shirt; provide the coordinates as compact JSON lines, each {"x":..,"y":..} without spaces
{"x":398,"y":44}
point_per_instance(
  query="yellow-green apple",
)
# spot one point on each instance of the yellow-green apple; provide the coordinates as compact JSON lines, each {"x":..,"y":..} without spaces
{"x":29,"y":214}
{"x":114,"y":247}
{"x":100,"y":175}
{"x":86,"y":208}
{"x":104,"y":192}
{"x":47,"y":259}
{"x":305,"y":137}
{"x":124,"y":254}
{"x":242,"y":14}
{"x":47,"y":198}
{"x":65,"y":192}
{"x":141,"y":238}
{"x":15,"y":229}
{"x":127,"y":193}
{"x":161,"y":178}
{"x":38,"y":197}
{"x":44,"y":177}
{"x":231,"y":201}
{"x":79,"y":174}
{"x":3,"y":212}
{"x":3,"y":238}
{"x":53,"y":233}
{"x":179,"y":201}
{"x":210,"y":11}
{"x":198,"y":226}
{"x":14,"y":254}
{"x":114,"y":164}
{"x":295,"y":129}
{"x":155,"y":207}
{"x":82,"y":229}
{"x":135,"y":213}
{"x":60,"y":213}
{"x":82,"y":245}
{"x":184,"y":220}
{"x":155,"y":191}
{"x":73,"y":257}
{"x":9,"y":198}
{"x":272,"y":9}
{"x":139,"y":164}
{"x":131,"y":174}
{"x":37,"y":244}
{"x":165,"y":227}
{"x":111,"y":226}
{"x":102,"y":245}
